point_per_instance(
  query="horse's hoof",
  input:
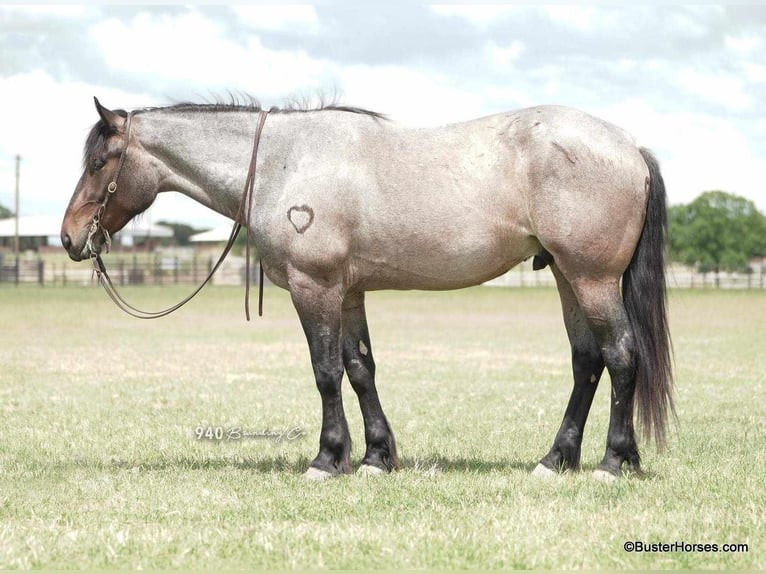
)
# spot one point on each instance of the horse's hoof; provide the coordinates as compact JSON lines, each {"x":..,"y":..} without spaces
{"x":542,"y":471}
{"x":369,"y":470}
{"x":314,"y":473}
{"x":604,"y":476}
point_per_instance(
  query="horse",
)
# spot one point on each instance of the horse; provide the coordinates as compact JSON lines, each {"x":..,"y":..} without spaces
{"x":346,"y":201}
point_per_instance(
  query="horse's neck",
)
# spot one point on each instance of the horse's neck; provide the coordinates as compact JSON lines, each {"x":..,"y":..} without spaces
{"x":204,"y":155}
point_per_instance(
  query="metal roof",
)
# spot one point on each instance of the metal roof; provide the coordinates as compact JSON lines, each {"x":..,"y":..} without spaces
{"x":216,"y":235}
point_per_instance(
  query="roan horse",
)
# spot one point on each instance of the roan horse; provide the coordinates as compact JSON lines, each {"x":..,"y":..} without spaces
{"x":346,"y":202}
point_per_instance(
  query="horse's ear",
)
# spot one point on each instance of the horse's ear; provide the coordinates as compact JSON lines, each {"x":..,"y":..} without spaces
{"x":110,"y":118}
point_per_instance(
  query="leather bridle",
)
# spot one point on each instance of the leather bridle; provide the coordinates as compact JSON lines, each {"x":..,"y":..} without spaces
{"x":95,"y":225}
{"x":245,"y":207}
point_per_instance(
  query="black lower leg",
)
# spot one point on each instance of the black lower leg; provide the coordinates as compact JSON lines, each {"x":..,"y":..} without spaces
{"x":610,"y":324}
{"x":621,"y":444}
{"x":319,"y":310}
{"x":564,"y":454}
{"x":334,"y":439}
{"x":381,"y":446}
{"x":587,"y":367}
{"x":360,"y":367}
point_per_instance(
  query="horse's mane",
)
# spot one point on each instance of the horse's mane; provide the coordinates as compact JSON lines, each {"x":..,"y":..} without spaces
{"x":96,"y":140}
{"x":248,"y":103}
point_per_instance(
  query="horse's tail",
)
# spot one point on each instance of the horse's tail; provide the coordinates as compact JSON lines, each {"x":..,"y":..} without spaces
{"x":643,"y":287}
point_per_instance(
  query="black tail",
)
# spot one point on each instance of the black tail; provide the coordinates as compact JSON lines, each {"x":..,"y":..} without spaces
{"x":643,"y":288}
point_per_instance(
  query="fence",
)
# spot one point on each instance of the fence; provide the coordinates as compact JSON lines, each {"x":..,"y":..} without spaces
{"x":678,"y":276}
{"x":188,"y":267}
{"x":137,"y":269}
{"x":13,"y":270}
{"x":688,"y":278}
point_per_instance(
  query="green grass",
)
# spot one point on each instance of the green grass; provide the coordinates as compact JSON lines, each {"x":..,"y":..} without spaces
{"x":100,"y":467}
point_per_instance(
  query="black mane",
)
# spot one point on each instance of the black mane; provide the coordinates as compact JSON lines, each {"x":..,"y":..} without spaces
{"x":96,"y":140}
{"x":250,"y":104}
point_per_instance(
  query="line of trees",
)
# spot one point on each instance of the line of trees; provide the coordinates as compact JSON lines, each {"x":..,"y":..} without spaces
{"x":717,"y":232}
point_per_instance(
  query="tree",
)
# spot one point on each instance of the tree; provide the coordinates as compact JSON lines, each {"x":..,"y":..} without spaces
{"x":181,"y":231}
{"x":5,"y":212}
{"x":718,"y":231}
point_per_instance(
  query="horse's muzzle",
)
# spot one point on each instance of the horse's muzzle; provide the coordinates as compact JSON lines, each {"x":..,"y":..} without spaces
{"x":67,"y":243}
{"x":79,"y":250}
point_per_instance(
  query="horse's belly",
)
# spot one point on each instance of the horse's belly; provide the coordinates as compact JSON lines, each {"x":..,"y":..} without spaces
{"x":453,"y":265}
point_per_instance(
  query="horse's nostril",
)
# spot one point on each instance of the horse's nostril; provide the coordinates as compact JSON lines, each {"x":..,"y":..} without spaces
{"x":66,"y":241}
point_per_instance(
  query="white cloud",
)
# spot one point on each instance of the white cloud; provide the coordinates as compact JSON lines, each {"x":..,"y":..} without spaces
{"x":743,"y":44}
{"x":509,"y":97}
{"x":720,"y":88}
{"x":502,"y":56}
{"x":50,"y":141}
{"x":199,"y":56}
{"x":480,"y":15}
{"x":754,"y":73}
{"x":691,"y":22}
{"x":301,"y":18}
{"x":548,"y":79}
{"x":45,"y":11}
{"x":46,"y":121}
{"x":697,"y":152}
{"x":583,"y":18}
{"x":411,"y":97}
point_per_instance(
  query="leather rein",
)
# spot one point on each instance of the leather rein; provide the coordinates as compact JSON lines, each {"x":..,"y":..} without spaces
{"x":245,"y":207}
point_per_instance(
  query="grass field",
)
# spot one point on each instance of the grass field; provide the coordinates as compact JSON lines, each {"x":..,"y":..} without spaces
{"x":100,"y":466}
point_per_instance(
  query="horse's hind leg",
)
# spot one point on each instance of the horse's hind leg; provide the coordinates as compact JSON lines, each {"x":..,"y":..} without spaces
{"x":381,"y":453}
{"x":319,"y":309}
{"x":587,"y":367}
{"x":602,"y":305}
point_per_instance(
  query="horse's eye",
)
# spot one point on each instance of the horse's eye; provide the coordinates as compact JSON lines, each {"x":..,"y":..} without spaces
{"x":98,"y":163}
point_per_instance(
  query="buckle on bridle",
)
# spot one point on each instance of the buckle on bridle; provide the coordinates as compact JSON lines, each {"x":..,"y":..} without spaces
{"x":112,"y":187}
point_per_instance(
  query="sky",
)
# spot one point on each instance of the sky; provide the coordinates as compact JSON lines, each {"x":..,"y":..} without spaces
{"x":688,"y":81}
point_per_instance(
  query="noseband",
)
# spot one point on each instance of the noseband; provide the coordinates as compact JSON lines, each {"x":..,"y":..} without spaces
{"x":245,"y":208}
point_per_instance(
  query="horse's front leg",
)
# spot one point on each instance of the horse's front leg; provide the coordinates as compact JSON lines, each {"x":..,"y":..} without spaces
{"x":380,"y":455}
{"x":319,"y":308}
